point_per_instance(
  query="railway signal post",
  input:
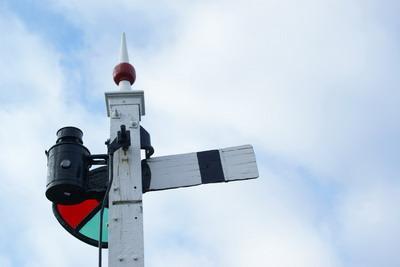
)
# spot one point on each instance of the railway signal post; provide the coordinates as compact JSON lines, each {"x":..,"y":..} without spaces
{"x":103,"y":206}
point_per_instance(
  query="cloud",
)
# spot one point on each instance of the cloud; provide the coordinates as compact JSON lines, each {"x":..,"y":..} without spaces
{"x":369,"y":223}
{"x":225,"y":225}
{"x":33,"y":106}
{"x":311,"y":85}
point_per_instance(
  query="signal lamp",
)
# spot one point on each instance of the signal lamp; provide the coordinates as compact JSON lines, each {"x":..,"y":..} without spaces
{"x":70,"y":179}
{"x":67,"y":167}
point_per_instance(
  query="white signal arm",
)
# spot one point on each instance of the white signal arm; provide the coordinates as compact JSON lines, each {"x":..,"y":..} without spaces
{"x":213,"y":166}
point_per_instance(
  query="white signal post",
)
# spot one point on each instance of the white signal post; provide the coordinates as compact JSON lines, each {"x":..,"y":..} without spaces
{"x":125,"y":216}
{"x":125,"y":223}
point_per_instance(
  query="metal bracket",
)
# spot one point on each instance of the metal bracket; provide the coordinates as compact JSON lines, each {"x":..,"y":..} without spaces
{"x":123,"y":140}
{"x":145,"y":142}
{"x":98,"y":177}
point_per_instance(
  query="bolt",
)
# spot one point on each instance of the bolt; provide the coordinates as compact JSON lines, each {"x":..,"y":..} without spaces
{"x":65,"y":164}
{"x":115,"y":219}
{"x":120,"y":258}
{"x":115,"y":114}
{"x":116,"y":188}
{"x":134,"y":124}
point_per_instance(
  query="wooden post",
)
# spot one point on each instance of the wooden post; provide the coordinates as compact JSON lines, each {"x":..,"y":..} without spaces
{"x":125,"y":226}
{"x":125,"y":219}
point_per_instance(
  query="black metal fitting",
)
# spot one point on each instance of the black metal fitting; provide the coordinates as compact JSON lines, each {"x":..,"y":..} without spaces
{"x":145,"y":142}
{"x":123,"y":140}
{"x":67,"y":167}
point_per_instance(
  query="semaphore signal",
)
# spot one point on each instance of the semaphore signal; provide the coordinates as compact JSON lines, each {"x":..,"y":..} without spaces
{"x":103,"y":206}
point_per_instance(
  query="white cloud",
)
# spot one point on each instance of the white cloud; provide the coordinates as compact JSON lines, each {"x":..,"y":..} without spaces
{"x":33,"y":107}
{"x":284,"y":75}
{"x":239,"y":224}
{"x":312,"y":84}
{"x":369,"y":222}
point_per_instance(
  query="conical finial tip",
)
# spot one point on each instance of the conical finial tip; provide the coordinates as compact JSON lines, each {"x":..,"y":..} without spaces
{"x":124,"y":58}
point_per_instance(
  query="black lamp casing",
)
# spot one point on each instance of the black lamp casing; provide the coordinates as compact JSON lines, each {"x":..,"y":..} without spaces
{"x":67,"y":168}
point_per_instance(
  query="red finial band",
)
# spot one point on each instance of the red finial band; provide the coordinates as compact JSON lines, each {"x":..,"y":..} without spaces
{"x":124,"y":72}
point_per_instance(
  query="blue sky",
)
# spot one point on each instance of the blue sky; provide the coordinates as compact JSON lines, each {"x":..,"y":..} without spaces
{"x":312,"y":85}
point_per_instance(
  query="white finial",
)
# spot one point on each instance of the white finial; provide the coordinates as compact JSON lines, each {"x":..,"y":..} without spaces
{"x":123,"y":58}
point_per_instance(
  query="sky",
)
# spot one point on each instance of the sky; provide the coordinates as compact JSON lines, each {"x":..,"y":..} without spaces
{"x":312,"y":85}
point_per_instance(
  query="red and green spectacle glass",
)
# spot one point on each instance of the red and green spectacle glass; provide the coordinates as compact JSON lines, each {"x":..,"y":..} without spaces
{"x":83,"y":221}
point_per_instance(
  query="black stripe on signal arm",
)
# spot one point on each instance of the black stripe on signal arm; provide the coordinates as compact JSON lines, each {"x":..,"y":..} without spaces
{"x":210,"y":167}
